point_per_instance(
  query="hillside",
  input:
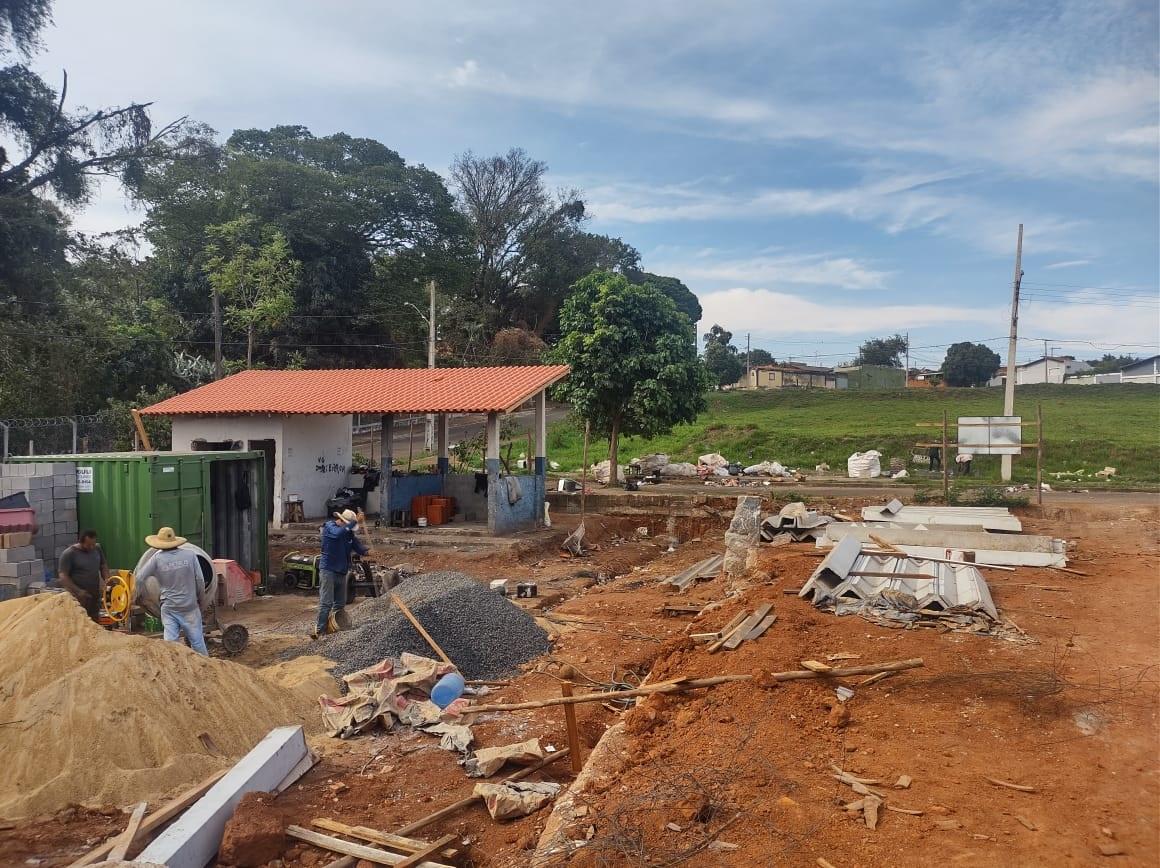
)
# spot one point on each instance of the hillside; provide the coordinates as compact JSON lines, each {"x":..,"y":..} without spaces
{"x":1086,"y":427}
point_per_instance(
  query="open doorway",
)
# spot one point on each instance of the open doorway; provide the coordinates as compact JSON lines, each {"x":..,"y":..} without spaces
{"x":267,"y":448}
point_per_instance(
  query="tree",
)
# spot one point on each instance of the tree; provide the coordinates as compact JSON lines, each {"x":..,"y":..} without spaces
{"x":1110,"y":363}
{"x":717,"y":335}
{"x":252,"y":269}
{"x":683,"y":297}
{"x":634,"y":360}
{"x":723,"y":364}
{"x":886,"y":352}
{"x":968,"y":364}
{"x":758,"y":356}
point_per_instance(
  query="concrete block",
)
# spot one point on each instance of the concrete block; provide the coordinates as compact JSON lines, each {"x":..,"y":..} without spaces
{"x":20,"y":568}
{"x":15,"y":539}
{"x":13,"y":556}
{"x":17,"y":587}
{"x":64,"y":468}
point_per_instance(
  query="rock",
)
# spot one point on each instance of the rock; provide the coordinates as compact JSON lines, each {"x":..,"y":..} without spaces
{"x":1110,"y":848}
{"x":839,"y":716}
{"x":743,"y":534}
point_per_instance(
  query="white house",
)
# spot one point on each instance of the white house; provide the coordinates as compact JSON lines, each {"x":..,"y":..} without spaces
{"x":1142,"y":371}
{"x":1050,"y":369}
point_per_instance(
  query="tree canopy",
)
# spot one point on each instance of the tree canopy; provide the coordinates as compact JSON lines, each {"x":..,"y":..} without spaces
{"x":1109,"y":363}
{"x":968,"y":364}
{"x":886,"y":352}
{"x":634,"y":359}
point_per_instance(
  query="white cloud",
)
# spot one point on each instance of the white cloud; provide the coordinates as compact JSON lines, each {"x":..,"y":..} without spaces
{"x":815,"y":269}
{"x":1091,"y":317}
{"x":465,"y":73}
{"x":1069,"y":263}
{"x":770,"y":312}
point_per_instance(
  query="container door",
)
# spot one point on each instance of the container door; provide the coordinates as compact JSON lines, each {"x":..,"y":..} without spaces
{"x":179,"y":498}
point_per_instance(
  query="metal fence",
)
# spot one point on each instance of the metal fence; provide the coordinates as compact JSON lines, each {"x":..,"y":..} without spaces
{"x":109,"y":431}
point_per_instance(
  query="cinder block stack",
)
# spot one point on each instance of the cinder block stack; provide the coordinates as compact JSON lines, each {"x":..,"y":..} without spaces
{"x":51,"y":490}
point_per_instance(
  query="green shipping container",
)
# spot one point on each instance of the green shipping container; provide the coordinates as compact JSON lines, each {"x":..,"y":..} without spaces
{"x":214,"y":499}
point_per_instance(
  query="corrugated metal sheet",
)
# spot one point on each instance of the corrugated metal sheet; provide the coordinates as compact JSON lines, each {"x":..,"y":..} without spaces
{"x":705,"y":569}
{"x":1003,"y":549}
{"x":372,"y":390}
{"x":995,"y":518}
{"x":946,"y":586}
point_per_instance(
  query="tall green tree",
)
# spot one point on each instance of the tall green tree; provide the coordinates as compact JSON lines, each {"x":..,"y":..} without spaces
{"x":968,"y":364}
{"x":683,"y":297}
{"x":635,"y":369}
{"x":1110,"y":363}
{"x":721,"y":359}
{"x":758,"y":356}
{"x":886,"y":352}
{"x":251,"y":268}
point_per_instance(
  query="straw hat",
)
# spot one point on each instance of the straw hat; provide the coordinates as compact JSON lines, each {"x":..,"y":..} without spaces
{"x":164,"y":539}
{"x":348,"y":516}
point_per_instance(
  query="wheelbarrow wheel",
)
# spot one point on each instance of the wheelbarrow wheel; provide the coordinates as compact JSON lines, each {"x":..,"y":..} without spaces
{"x":235,"y":638}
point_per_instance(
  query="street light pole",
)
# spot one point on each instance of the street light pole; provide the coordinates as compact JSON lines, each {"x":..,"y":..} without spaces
{"x":429,"y":319}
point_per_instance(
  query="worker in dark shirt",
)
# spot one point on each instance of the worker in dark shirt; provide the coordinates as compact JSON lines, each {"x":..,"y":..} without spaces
{"x":338,"y":542}
{"x":83,"y":570}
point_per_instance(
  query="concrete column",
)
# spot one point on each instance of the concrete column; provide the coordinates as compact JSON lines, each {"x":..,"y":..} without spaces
{"x":491,"y":453}
{"x":386,"y":449}
{"x":441,"y":435}
{"x":541,"y":429}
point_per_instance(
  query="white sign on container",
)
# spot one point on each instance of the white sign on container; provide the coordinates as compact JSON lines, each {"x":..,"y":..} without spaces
{"x":84,"y":480}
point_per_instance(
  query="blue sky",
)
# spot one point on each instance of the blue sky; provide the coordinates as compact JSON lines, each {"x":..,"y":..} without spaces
{"x":818,"y":173}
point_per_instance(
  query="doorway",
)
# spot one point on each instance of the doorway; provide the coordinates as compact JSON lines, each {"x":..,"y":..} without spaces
{"x":269,"y":449}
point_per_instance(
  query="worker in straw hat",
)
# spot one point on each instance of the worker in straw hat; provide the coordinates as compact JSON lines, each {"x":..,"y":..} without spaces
{"x":182,"y":587}
{"x":338,"y":542}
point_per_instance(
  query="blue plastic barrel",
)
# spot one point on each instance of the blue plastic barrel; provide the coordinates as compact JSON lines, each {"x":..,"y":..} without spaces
{"x":447,"y":689}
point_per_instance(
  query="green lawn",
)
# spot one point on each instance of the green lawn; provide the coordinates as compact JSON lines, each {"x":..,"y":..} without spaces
{"x":1086,"y":427}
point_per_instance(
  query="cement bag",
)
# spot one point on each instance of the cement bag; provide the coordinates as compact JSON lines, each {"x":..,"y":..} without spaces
{"x":864,"y":465}
{"x":713,"y":460}
{"x":678,"y":470}
{"x":650,"y":464}
{"x":516,"y":799}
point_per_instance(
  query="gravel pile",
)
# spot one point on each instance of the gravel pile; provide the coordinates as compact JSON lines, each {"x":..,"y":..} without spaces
{"x":483,"y":633}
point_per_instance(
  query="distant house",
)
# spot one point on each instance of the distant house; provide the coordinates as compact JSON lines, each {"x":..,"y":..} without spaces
{"x":1143,"y":371}
{"x":1049,"y":369}
{"x":923,"y":378}
{"x":873,"y":377}
{"x":790,"y":376}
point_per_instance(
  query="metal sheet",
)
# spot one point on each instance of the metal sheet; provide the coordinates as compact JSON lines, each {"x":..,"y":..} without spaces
{"x":990,"y":435}
{"x":988,"y":517}
{"x":1015,"y":550}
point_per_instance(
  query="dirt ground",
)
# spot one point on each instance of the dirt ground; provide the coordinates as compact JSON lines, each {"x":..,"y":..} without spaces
{"x":742,"y":775}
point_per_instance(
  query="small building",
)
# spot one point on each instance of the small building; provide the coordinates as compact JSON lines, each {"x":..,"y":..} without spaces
{"x":302,"y":422}
{"x":787,"y":375}
{"x":873,"y":377}
{"x":1049,"y":369}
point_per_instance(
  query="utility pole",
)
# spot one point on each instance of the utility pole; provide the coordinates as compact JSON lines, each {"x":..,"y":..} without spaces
{"x":747,"y":352}
{"x":217,"y":336}
{"x":1009,"y":386}
{"x":429,"y":434}
{"x":906,"y":379}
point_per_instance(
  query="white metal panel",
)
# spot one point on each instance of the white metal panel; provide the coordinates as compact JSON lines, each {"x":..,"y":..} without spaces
{"x":990,"y":435}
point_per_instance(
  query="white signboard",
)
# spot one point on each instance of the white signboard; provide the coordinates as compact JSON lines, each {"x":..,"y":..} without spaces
{"x":84,"y":480}
{"x":990,"y":435}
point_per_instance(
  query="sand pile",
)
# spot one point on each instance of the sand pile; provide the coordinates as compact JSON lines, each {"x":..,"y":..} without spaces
{"x":99,"y":718}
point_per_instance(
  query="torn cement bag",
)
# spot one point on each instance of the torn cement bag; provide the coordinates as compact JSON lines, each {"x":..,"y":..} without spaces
{"x":713,"y":460}
{"x":455,"y":736}
{"x":744,"y":533}
{"x":514,"y":490}
{"x":516,"y":798}
{"x":650,"y":464}
{"x":387,"y":692}
{"x":486,"y":761}
{"x":680,"y":469}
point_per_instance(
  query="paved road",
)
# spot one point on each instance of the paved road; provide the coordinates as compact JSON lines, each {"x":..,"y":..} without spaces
{"x":409,"y":434}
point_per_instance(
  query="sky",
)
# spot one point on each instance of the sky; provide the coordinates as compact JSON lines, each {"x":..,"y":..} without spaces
{"x":817,"y":173}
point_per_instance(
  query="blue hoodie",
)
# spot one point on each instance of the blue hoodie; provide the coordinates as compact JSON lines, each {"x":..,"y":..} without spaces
{"x":337,"y":543}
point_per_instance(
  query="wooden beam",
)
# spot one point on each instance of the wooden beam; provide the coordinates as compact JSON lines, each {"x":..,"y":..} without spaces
{"x":415,"y":622}
{"x":125,"y":841}
{"x":416,"y":859}
{"x":374,"y":836}
{"x":154,"y":821}
{"x":350,"y":848}
{"x":699,"y":683}
{"x":572,"y":730}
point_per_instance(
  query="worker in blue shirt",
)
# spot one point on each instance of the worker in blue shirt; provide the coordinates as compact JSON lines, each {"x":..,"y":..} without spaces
{"x":338,"y":541}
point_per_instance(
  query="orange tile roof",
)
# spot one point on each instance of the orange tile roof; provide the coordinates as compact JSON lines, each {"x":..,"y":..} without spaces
{"x":365,"y":390}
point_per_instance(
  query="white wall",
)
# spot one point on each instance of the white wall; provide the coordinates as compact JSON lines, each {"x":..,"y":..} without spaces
{"x":316,"y":459}
{"x":186,"y":429}
{"x":303,"y":445}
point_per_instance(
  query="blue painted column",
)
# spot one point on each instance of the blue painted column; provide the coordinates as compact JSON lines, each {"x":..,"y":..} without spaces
{"x":386,"y":449}
{"x":444,"y":462}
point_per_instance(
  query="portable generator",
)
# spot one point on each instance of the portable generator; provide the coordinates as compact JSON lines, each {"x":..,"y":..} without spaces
{"x":300,"y":573}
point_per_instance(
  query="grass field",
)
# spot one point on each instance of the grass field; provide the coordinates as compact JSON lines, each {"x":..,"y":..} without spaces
{"x":1085,"y":427}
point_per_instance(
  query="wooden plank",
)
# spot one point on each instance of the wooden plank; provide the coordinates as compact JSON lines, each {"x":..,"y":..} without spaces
{"x":415,"y":622}
{"x":125,"y":841}
{"x":728,"y":631}
{"x":748,"y":624}
{"x":374,"y":836}
{"x":155,"y":820}
{"x":350,"y":848}
{"x":192,"y":841}
{"x":572,"y":729}
{"x":417,"y":858}
{"x":764,"y":625}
